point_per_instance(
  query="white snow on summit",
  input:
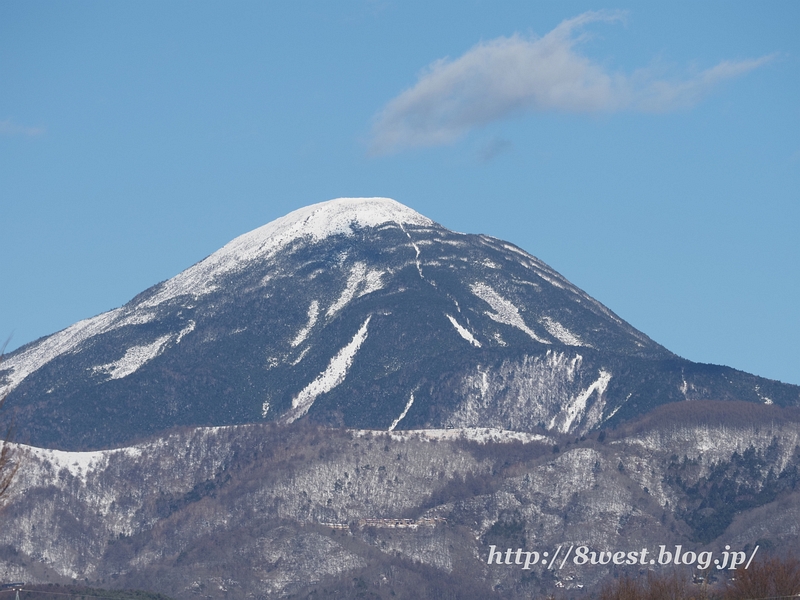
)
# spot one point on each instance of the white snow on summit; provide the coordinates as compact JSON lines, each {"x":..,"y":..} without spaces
{"x":312,"y":223}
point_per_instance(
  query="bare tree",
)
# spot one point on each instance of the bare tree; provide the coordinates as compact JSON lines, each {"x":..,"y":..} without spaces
{"x":773,"y":577}
{"x":668,"y":586}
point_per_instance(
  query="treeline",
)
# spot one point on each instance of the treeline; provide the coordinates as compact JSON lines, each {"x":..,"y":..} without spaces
{"x":713,"y":413}
{"x":746,"y":481}
{"x":770,"y":578}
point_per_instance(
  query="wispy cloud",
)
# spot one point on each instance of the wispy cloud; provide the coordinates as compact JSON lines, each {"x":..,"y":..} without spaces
{"x":8,"y":127}
{"x":494,"y":148}
{"x":513,"y":75}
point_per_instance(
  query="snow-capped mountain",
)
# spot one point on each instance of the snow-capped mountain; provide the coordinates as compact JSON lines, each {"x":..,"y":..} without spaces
{"x":468,"y":376}
{"x":356,"y":312}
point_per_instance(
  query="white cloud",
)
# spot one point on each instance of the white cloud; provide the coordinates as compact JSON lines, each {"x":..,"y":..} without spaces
{"x":8,"y":127}
{"x":513,"y":75}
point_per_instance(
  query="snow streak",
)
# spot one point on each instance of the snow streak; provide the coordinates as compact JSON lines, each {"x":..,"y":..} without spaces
{"x":403,"y":414}
{"x":360,"y":282}
{"x":416,"y":248}
{"x":135,"y":357}
{"x":561,"y":333}
{"x":576,"y":409}
{"x":464,"y":333}
{"x":186,"y":330}
{"x":332,"y":376}
{"x":505,"y":311}
{"x":313,"y":313}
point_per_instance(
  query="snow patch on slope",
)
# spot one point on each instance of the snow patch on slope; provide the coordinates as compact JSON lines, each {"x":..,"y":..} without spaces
{"x":464,"y":332}
{"x":332,"y":376}
{"x":41,"y":353}
{"x":576,"y":408}
{"x":557,"y":280}
{"x":134,"y":317}
{"x":79,"y":464}
{"x":135,"y":357}
{"x":482,"y":435}
{"x":561,"y":333}
{"x":402,"y":414}
{"x":360,"y":282}
{"x":68,"y":340}
{"x":505,"y":311}
{"x":765,"y":399}
{"x":185,"y":331}
{"x":313,"y":313}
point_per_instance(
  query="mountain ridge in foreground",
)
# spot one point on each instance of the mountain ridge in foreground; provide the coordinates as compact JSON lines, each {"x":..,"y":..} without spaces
{"x":274,"y":511}
{"x":357,"y":312}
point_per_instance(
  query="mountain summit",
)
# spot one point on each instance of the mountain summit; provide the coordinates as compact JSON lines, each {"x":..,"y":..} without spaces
{"x":356,"y":312}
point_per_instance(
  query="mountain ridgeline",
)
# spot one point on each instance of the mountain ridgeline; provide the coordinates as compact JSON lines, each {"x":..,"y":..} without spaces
{"x":357,"y":313}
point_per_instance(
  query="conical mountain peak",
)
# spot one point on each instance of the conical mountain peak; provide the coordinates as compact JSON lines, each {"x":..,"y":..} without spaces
{"x":319,"y":221}
{"x":313,"y":223}
{"x":356,"y":312}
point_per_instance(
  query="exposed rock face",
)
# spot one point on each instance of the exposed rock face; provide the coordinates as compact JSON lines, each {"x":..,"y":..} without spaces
{"x":359,"y":313}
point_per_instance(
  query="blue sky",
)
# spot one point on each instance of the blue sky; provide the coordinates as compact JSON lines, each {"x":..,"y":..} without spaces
{"x":650,"y":152}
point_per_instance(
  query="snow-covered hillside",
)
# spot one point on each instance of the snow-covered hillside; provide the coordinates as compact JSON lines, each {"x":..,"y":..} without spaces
{"x":268,"y":510}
